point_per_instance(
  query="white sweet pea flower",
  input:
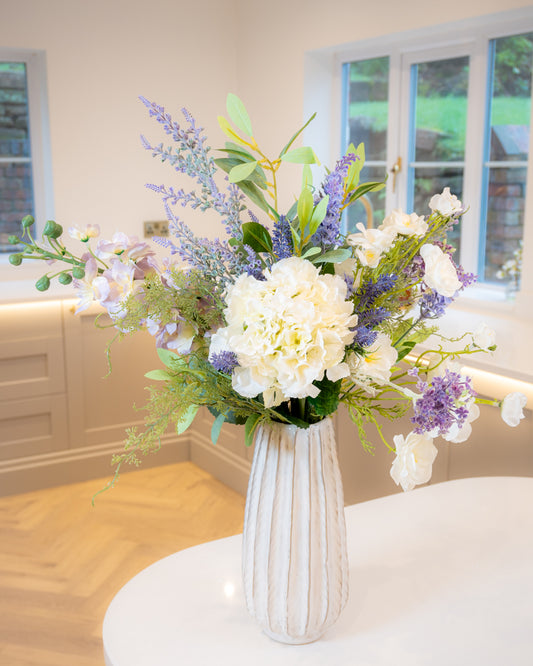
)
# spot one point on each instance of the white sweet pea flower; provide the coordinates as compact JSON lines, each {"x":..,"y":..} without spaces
{"x":287,"y":331}
{"x":512,"y":408}
{"x":380,"y":239}
{"x":446,"y":204}
{"x":90,"y":231}
{"x":414,"y":460}
{"x":404,"y":224}
{"x":484,"y":337}
{"x":377,"y":362}
{"x":440,"y":273}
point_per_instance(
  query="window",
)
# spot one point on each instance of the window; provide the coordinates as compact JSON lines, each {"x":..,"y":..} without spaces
{"x":452,"y":109}
{"x":24,"y":155}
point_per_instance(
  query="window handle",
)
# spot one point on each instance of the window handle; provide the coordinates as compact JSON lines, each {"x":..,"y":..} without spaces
{"x":396,"y":168}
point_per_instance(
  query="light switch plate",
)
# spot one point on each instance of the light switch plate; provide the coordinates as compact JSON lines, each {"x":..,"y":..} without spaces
{"x":158,"y":228}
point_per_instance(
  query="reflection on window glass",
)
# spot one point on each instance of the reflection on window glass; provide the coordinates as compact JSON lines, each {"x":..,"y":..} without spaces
{"x":437,"y":144}
{"x":507,"y":150}
{"x":16,"y":192}
{"x":441,"y":102}
{"x":370,"y":210}
{"x":368,"y":116}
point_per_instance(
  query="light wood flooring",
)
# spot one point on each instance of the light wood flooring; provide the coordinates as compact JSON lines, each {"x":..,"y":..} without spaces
{"x":62,"y":560}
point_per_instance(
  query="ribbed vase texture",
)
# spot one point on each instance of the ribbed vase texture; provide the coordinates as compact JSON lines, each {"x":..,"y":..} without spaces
{"x":295,"y":564}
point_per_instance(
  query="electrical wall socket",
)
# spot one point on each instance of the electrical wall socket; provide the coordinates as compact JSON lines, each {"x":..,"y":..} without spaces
{"x":159,"y":228}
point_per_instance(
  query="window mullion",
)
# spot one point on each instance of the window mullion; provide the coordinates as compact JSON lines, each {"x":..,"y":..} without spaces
{"x":477,"y":94}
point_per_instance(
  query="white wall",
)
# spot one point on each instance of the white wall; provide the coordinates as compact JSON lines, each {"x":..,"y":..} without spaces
{"x":101,"y":55}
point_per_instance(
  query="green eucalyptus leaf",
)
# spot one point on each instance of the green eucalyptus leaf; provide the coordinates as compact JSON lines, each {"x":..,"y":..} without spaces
{"x":333,"y":256}
{"x":311,"y":252}
{"x":241,"y":171}
{"x":295,"y":136}
{"x":256,"y":236}
{"x":293,"y":211}
{"x":257,"y":176}
{"x":249,"y":428}
{"x":235,"y":152}
{"x":238,"y":114}
{"x":217,"y":427}
{"x":159,"y":375}
{"x":302,"y":155}
{"x":167,"y":357}
{"x":235,"y":147}
{"x":186,"y":419}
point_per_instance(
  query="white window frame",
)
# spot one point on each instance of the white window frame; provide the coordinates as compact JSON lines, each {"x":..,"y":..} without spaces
{"x":323,"y":89}
{"x":41,"y":162}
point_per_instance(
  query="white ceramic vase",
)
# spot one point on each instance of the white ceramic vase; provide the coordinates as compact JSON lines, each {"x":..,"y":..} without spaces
{"x":294,"y":558}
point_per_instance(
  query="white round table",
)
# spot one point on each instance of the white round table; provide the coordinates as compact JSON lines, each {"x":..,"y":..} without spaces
{"x":441,"y":576}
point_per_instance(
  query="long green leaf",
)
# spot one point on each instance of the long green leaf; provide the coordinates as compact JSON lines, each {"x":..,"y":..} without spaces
{"x":302,"y":155}
{"x":241,"y":171}
{"x":254,"y":194}
{"x":256,"y":236}
{"x":249,"y":428}
{"x":186,"y":420}
{"x":319,"y":213}
{"x":238,"y":114}
{"x":296,"y":135}
{"x":364,"y":189}
{"x":217,"y":427}
{"x":305,"y":208}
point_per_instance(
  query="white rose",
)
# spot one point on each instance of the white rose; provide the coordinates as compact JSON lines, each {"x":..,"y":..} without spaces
{"x":484,"y":337}
{"x":445,"y":203}
{"x":404,"y":224}
{"x":440,"y":273}
{"x":512,"y":408}
{"x":414,"y":459}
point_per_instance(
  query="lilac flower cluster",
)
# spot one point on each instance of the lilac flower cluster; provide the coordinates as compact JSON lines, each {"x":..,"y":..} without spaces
{"x":224,"y":361}
{"x":191,"y":156}
{"x":215,"y":258}
{"x":433,"y":305}
{"x":442,"y":404}
{"x":282,"y":244}
{"x":369,"y":315}
{"x":328,"y":233}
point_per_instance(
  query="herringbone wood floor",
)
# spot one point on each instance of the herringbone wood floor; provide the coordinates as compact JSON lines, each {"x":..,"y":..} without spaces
{"x":62,"y":560}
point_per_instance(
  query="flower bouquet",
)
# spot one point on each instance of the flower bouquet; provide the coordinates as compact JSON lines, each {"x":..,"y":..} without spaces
{"x":285,"y":318}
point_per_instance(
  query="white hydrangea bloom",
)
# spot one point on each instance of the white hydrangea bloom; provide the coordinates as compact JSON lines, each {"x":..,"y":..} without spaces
{"x":287,"y":331}
{"x":413,"y":464}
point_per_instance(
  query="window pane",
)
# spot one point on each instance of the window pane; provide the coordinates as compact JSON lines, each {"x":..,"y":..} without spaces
{"x":441,"y":102}
{"x":507,"y":142}
{"x":511,"y":98}
{"x":505,"y":219}
{"x":368,"y":94}
{"x":14,"y":125}
{"x":16,"y":200}
{"x":16,"y":190}
{"x":371,"y":209}
{"x":432,"y":180}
